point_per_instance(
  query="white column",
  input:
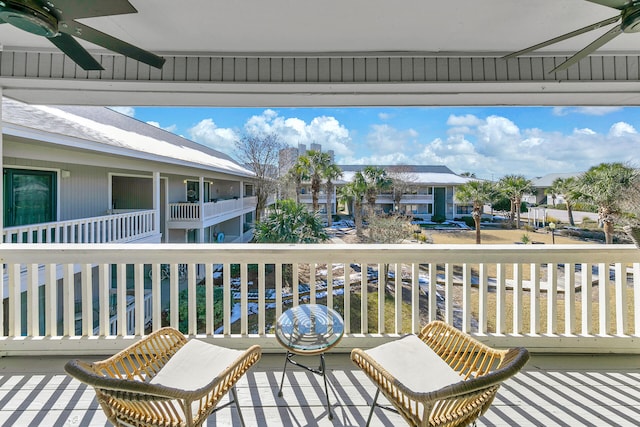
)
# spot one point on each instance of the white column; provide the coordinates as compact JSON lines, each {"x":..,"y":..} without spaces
{"x":201,"y":203}
{"x":156,"y":201}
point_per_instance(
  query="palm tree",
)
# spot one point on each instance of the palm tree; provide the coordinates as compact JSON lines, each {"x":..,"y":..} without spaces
{"x":354,"y":192}
{"x":290,"y":222}
{"x":605,"y":186}
{"x":317,"y":164}
{"x":478,"y":193}
{"x":298,"y":174}
{"x":552,"y":191}
{"x":566,"y":187}
{"x":330,"y":173}
{"x":377,"y":180}
{"x":514,"y":187}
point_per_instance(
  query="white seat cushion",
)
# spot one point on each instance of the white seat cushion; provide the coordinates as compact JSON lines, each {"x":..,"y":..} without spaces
{"x":414,"y":364}
{"x":195,"y":365}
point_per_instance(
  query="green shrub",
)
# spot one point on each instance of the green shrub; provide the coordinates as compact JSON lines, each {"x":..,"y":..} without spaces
{"x":438,"y":219}
{"x":469,"y":221}
{"x":183,"y":307}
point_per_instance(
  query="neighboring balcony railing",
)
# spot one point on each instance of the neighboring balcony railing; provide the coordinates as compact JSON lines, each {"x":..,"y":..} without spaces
{"x":417,"y":198}
{"x":185,"y":212}
{"x":308,"y":198}
{"x":549,"y":298}
{"x":115,"y":228}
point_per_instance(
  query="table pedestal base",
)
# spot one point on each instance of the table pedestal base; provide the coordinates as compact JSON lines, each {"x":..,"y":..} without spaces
{"x":320,"y":371}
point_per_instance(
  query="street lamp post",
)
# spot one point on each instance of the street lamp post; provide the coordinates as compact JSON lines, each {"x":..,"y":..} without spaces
{"x":552,"y":227}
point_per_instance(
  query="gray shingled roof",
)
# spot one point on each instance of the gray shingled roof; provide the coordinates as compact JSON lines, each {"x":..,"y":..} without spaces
{"x":115,"y":130}
{"x":422,"y":174}
{"x":547,"y":180}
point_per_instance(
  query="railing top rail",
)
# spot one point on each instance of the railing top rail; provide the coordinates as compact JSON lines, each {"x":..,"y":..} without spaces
{"x":79,"y":220}
{"x":318,"y":253}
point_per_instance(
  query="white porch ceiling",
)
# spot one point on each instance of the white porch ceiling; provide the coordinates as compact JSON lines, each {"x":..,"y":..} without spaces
{"x":330,"y":52}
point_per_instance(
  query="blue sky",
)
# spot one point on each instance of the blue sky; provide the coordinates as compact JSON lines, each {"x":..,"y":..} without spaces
{"x":488,"y":141}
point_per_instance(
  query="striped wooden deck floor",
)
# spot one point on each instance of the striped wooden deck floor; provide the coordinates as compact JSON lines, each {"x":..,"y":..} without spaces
{"x":593,"y":390}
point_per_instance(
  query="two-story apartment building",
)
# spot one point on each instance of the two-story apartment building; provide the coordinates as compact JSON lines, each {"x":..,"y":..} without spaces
{"x":70,"y":170}
{"x":428,"y":191}
{"x":93,"y":175}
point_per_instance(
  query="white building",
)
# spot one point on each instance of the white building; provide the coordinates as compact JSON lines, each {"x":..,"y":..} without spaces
{"x":429,"y":191}
{"x":90,"y":174}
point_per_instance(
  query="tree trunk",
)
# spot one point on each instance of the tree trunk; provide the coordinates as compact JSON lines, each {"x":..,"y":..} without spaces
{"x":517,"y":207}
{"x":476,"y":220}
{"x":513,"y":212}
{"x":315,"y":190}
{"x":260,"y":205}
{"x":608,"y":232}
{"x":357,"y":217}
{"x":329,"y":204}
{"x":570,"y":214}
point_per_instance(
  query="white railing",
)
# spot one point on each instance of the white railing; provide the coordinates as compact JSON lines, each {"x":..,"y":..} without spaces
{"x":130,"y":315}
{"x":184,"y":211}
{"x":250,"y":202}
{"x":221,"y":207}
{"x":191,"y":211}
{"x":308,"y":198}
{"x":573,"y":298}
{"x":116,"y":228}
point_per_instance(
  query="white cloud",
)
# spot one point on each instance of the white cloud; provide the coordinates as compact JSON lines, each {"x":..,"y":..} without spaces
{"x":584,"y":131}
{"x":384,"y":116}
{"x":127,"y":111}
{"x":380,"y":159}
{"x":387,"y":139}
{"x":466,"y":120}
{"x":324,"y":130}
{"x":496,"y":146}
{"x":621,"y":129}
{"x":206,"y":132}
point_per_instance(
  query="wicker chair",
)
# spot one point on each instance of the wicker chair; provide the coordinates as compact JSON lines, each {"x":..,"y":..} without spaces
{"x":165,"y":380}
{"x":450,"y":381}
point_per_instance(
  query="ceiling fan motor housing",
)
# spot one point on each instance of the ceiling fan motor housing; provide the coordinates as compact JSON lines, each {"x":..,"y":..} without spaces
{"x":29,"y":17}
{"x":631,"y":19}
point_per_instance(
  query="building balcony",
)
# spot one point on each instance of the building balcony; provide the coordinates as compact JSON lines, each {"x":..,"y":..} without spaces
{"x":188,"y":215}
{"x":416,"y":198}
{"x":575,"y":307}
{"x":307,"y":198}
{"x":117,"y":227}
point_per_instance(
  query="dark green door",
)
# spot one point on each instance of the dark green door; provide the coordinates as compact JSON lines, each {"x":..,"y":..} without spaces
{"x":439,"y":202}
{"x":29,"y":197}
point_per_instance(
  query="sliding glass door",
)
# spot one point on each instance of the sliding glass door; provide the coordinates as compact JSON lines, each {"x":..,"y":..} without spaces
{"x":29,"y":197}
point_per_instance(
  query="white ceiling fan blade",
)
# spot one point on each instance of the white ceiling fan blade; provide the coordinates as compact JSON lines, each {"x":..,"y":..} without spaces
{"x":564,"y":37}
{"x":598,"y":43}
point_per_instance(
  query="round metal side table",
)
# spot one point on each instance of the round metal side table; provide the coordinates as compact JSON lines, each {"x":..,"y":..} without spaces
{"x":308,"y":330}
